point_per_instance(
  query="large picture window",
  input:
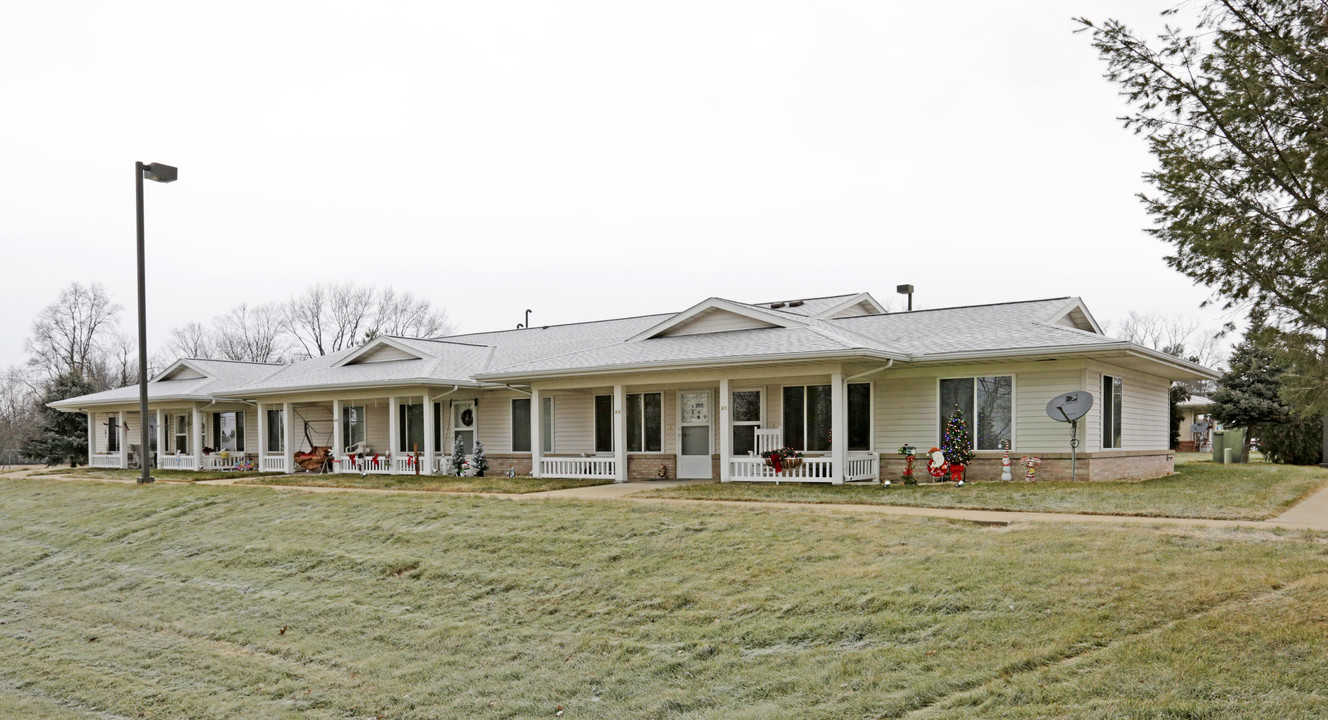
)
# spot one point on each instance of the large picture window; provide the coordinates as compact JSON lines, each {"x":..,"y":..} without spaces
{"x":180,"y":427}
{"x":645,"y":422}
{"x":988,"y":406}
{"x":807,"y":417}
{"x":354,"y":425}
{"x":521,"y":424}
{"x":228,"y":431}
{"x":1112,"y":390}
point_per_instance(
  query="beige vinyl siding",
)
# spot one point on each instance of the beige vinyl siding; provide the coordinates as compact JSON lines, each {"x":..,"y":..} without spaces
{"x":495,"y":421}
{"x":377,"y":433}
{"x":574,"y":426}
{"x":1145,"y":409}
{"x":1034,"y":430}
{"x":716,"y":321}
{"x":905,"y":412}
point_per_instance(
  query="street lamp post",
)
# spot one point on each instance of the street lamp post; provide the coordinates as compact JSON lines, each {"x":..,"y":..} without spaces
{"x":163,"y":174}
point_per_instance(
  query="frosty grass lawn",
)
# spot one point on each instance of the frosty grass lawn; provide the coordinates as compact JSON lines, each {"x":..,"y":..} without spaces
{"x":1252,"y":491}
{"x":191,"y":601}
{"x":434,"y":483}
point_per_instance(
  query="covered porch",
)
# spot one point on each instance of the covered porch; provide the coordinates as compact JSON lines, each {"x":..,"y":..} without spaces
{"x":710,"y":426}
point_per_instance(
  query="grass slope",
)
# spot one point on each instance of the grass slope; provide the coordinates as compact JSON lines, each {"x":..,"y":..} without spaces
{"x":170,"y":601}
{"x":432,"y":483}
{"x":1198,"y":489}
{"x":158,"y":474}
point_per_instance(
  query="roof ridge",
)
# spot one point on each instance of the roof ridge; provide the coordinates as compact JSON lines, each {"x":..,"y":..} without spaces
{"x":953,"y":307}
{"x":235,"y":362}
{"x":546,"y":327}
{"x":805,"y":299}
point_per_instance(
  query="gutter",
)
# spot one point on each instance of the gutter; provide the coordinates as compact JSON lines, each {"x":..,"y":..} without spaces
{"x":1127,"y":348}
{"x":690,"y":365}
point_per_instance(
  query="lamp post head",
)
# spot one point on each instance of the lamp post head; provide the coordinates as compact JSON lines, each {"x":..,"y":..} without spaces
{"x":160,"y":173}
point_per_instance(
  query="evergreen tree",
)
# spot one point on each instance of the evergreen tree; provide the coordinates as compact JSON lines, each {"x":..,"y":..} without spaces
{"x":458,"y":455}
{"x":958,"y":442}
{"x":479,"y":462}
{"x":1248,"y":396}
{"x":1298,"y":441}
{"x":61,"y":436}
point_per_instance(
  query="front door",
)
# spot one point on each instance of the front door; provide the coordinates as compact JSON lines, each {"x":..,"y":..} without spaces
{"x":463,"y":425}
{"x":694,"y":434}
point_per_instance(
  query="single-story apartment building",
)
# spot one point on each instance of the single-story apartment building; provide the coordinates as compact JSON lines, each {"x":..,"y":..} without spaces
{"x":691,"y":394}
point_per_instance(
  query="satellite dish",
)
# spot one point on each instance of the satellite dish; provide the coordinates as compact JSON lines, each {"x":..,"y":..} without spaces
{"x":1070,"y":406}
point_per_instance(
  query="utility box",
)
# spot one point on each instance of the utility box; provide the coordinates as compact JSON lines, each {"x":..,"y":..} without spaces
{"x":1233,"y":438}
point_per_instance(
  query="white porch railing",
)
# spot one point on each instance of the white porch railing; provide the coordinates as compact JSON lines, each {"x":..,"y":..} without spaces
{"x":231,"y":461}
{"x":364,"y":464}
{"x":593,"y":467}
{"x":105,"y":461}
{"x":272,"y":463}
{"x":442,"y":464}
{"x":862,"y":466}
{"x":176,"y":462}
{"x":405,"y":464}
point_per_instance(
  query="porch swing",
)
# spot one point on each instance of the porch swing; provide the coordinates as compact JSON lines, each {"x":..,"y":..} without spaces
{"x":319,"y":457}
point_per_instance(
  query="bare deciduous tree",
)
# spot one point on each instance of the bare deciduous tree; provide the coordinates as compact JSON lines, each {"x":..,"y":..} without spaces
{"x":405,"y":315}
{"x":194,"y":340}
{"x":329,"y":317}
{"x":250,"y":333}
{"x":70,"y":333}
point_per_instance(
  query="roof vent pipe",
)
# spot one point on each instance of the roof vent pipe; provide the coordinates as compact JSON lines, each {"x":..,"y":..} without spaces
{"x":906,"y":290}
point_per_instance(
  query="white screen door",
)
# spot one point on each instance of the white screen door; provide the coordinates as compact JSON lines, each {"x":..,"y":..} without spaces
{"x":463,"y":425}
{"x":694,"y":434}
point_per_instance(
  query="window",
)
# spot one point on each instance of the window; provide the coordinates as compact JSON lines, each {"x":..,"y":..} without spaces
{"x":988,"y":406}
{"x":521,"y":424}
{"x":410,"y":427}
{"x":807,"y":417}
{"x":112,"y":434}
{"x":354,"y":425}
{"x":275,"y":436}
{"x":1112,"y":390}
{"x":645,"y":422}
{"x":437,"y":430}
{"x":181,"y":429}
{"x":746,"y":418}
{"x":228,"y":431}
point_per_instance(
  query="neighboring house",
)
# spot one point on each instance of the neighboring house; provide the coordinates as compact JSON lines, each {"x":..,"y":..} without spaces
{"x":1196,"y":424}
{"x":696,"y":393}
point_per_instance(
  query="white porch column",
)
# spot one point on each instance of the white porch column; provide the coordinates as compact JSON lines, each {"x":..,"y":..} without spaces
{"x":429,"y":450}
{"x":196,"y":436}
{"x":288,"y":435}
{"x":537,"y":431}
{"x":620,"y":433}
{"x":161,"y":435}
{"x":393,"y":429}
{"x":338,"y":432}
{"x":838,"y":429}
{"x":123,"y":432}
{"x":92,"y":436}
{"x":262,"y":436}
{"x":725,"y":431}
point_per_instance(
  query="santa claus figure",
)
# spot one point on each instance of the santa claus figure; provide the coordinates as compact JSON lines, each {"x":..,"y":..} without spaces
{"x":936,"y":464}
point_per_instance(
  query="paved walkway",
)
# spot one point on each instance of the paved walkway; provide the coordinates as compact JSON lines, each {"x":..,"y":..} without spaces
{"x":1310,"y":514}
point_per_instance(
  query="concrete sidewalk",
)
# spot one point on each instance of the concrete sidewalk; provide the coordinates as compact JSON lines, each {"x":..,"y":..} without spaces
{"x":1310,"y":514}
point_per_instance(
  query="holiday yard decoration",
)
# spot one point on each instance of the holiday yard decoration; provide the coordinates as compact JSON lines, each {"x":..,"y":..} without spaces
{"x":1005,"y":463}
{"x":781,"y":459}
{"x":479,"y":462}
{"x":957,"y":444}
{"x":459,"y":463}
{"x":936,"y":464}
{"x":1032,"y":464}
{"x":910,"y":454}
{"x":663,"y":473}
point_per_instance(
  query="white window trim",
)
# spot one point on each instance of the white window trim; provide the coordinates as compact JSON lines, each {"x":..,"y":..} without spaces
{"x":553,"y":431}
{"x":1102,"y":419}
{"x":239,"y":424}
{"x":361,"y":420}
{"x":454,"y":418}
{"x":660,"y":393}
{"x":804,"y":386}
{"x":1014,"y":409}
{"x":759,"y":423}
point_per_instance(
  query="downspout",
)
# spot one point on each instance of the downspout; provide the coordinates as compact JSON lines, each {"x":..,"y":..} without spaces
{"x":449,"y":392}
{"x":887,"y":366}
{"x":516,"y":389}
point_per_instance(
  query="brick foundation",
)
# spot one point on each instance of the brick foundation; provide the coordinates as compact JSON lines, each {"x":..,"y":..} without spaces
{"x":499,"y":463}
{"x":1111,"y":465}
{"x":646,"y":467}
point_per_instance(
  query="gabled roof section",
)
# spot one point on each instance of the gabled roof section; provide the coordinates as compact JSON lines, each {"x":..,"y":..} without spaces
{"x":182,"y":369}
{"x":1076,"y":315}
{"x":382,"y":349}
{"x":717,"y":315}
{"x":860,"y":304}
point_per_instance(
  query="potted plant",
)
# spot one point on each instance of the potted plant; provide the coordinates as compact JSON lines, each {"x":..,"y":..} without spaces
{"x":781,"y":459}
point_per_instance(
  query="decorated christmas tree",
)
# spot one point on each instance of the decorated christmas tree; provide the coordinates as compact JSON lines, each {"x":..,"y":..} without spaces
{"x":478,"y":462}
{"x":458,"y":456}
{"x":958,"y":442}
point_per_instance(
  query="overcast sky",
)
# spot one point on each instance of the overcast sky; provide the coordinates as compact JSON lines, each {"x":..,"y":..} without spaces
{"x":584,"y":160}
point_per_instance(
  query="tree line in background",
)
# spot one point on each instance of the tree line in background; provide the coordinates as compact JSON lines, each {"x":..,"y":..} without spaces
{"x":1232,"y":111}
{"x":76,"y":347}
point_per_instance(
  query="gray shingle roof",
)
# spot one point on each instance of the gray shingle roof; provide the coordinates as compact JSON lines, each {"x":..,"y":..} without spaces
{"x":222,"y":376}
